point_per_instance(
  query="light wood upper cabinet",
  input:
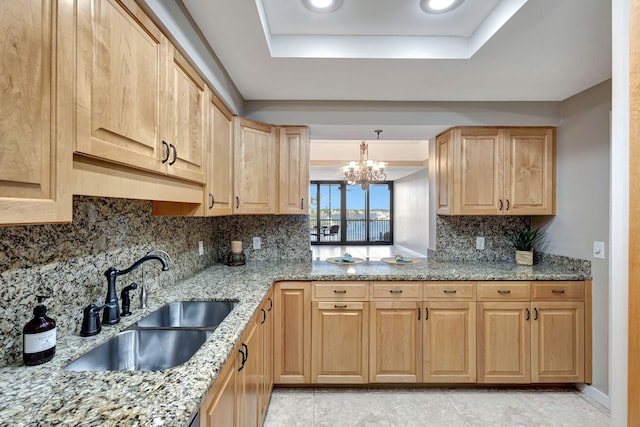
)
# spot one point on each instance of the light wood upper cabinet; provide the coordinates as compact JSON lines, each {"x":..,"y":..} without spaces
{"x":530,"y":171}
{"x":496,"y":171}
{"x":186,"y":103}
{"x":395,"y":342}
{"x":36,"y":123}
{"x":255,"y":167}
{"x":293,"y":165}
{"x":504,"y":342}
{"x":121,"y":85}
{"x":340,"y":342}
{"x":449,"y":342}
{"x":219,"y":141}
{"x":292,"y":333}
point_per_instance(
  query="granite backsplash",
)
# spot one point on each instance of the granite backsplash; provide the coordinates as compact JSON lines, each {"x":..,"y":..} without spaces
{"x":67,"y":261}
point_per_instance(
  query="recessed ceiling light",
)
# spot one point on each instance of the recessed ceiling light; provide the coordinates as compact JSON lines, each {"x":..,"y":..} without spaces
{"x":322,"y":5}
{"x":439,"y":6}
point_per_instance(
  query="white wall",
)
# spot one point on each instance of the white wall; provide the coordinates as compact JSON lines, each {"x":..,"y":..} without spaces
{"x":619,"y":226}
{"x":411,"y":211}
{"x":582,"y":204}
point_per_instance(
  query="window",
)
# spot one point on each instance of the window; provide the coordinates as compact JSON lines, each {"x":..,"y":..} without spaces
{"x":347,"y":214}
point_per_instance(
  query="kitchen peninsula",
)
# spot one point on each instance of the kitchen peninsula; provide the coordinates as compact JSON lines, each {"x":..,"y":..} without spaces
{"x":47,"y":395}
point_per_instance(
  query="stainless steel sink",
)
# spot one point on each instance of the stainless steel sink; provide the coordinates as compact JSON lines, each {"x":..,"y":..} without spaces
{"x":188,"y":314}
{"x":142,"y":349}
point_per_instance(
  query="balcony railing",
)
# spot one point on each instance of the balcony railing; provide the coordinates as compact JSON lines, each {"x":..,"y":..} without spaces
{"x":328,"y":230}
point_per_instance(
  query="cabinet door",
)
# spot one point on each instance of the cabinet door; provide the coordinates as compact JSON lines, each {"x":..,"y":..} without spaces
{"x":36,"y":131}
{"x":121,"y":85}
{"x":395,"y":347}
{"x":293,"y":185}
{"x":186,"y":118}
{"x":218,"y":408}
{"x":504,"y":342}
{"x":445,"y":148}
{"x":530,"y":171}
{"x":219,"y":193}
{"x":266,"y":374}
{"x":292,"y":333}
{"x":478,"y":173}
{"x":557,"y":342}
{"x":449,"y":342}
{"x":248,"y":378}
{"x":339,"y":342}
{"x":255,"y":167}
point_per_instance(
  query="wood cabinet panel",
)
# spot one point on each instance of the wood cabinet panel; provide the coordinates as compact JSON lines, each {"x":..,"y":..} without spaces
{"x":530,"y":171}
{"x":254,"y":167}
{"x":340,"y":342}
{"x":478,"y":174}
{"x":450,"y":291}
{"x":557,"y":291}
{"x":449,"y":342}
{"x":503,"y":291}
{"x":248,"y":378}
{"x":219,"y":407}
{"x":219,"y":194}
{"x":36,"y":120}
{"x":292,"y":333}
{"x":395,"y":347}
{"x":504,"y":342}
{"x":340,"y":291}
{"x":405,"y":290}
{"x":187,"y":101}
{"x":496,"y":171}
{"x":121,"y":84}
{"x":293,"y":165}
{"x":557,"y":342}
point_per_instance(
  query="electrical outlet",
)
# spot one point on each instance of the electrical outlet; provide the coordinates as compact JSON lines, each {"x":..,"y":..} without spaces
{"x":480,"y":243}
{"x":598,"y":250}
{"x":257,"y":243}
{"x":201,"y":247}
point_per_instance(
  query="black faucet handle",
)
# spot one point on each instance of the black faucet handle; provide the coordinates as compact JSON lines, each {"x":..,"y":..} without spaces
{"x":126,"y":300}
{"x":91,"y":320}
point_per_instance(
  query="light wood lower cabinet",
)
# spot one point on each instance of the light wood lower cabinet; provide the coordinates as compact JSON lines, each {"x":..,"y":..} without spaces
{"x":266,"y":364}
{"x":219,"y":407}
{"x":395,"y":347}
{"x":449,"y":342}
{"x":339,"y":343}
{"x":292,"y":333}
{"x":504,"y":342}
{"x":557,"y":342}
{"x":248,"y":385}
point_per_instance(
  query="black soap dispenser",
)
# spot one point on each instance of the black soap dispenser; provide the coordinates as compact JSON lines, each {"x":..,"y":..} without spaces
{"x":39,"y":336}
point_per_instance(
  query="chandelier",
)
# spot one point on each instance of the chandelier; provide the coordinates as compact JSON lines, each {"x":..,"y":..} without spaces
{"x":365,"y":171}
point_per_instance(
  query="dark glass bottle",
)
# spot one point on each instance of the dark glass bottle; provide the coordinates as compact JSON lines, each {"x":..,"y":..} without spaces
{"x":39,"y":337}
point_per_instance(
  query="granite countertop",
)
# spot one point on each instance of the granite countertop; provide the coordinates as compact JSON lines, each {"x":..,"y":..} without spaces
{"x":46,"y":395}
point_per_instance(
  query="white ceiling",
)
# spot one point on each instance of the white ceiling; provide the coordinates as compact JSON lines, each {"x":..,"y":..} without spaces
{"x":548,"y":51}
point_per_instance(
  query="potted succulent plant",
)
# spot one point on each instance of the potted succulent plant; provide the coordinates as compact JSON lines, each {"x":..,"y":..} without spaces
{"x":525,"y":242}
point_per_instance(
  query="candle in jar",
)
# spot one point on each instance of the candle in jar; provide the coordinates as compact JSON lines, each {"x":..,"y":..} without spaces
{"x":236,"y":246}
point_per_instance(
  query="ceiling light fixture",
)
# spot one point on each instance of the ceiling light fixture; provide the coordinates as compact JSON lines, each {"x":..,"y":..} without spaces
{"x":439,"y":6}
{"x":322,"y":5}
{"x":365,"y":171}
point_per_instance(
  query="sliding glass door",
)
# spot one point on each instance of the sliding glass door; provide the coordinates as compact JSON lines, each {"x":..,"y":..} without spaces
{"x":347,"y":214}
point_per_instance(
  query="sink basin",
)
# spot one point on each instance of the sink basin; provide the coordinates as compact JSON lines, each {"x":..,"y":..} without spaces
{"x":143,"y":350}
{"x":188,"y":314}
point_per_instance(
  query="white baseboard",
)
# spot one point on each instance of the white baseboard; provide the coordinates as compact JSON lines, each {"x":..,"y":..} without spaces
{"x":595,"y":394}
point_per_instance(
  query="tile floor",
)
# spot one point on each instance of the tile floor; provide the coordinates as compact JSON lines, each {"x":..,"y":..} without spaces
{"x":434,"y":407}
{"x":373,"y":252}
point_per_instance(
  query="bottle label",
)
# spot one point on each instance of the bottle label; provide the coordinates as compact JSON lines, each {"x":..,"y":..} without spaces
{"x":35,"y":343}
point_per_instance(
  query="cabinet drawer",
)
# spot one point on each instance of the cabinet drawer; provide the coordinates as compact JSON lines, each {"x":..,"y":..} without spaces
{"x":341,"y":305}
{"x":337,"y":291}
{"x":557,"y":291}
{"x":396,"y":291}
{"x":449,"y":291}
{"x":503,"y":291}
